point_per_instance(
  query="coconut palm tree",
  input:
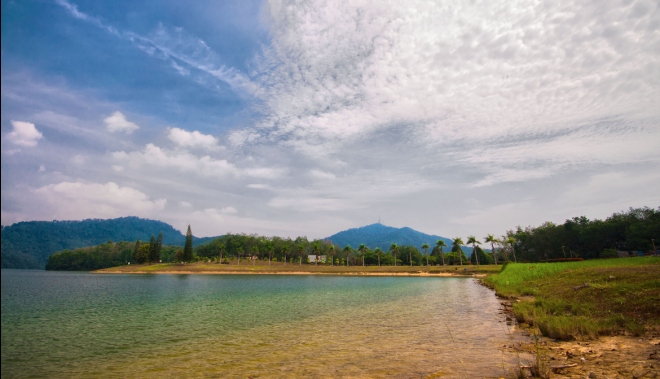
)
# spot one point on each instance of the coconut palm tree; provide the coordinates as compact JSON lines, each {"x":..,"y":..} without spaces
{"x":440,"y":244}
{"x":456,"y":245}
{"x":425,"y":246}
{"x":473,"y":240}
{"x":347,"y":249}
{"x":394,"y":248}
{"x":316,"y":248}
{"x":491,"y":238}
{"x":301,"y":250}
{"x":363,"y":250}
{"x":332,"y":254}
{"x":378,"y":252}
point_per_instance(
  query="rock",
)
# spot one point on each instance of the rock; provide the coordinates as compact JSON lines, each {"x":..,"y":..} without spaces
{"x":582,"y":360}
{"x":592,"y":375}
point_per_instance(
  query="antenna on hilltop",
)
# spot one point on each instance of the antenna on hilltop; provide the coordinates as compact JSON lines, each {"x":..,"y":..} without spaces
{"x":379,"y":219}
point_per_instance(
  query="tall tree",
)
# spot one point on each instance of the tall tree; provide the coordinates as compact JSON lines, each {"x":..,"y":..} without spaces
{"x":394,"y":248}
{"x":188,"y":247}
{"x":136,"y":252}
{"x":491,"y":238}
{"x":378,"y":253}
{"x":456,"y":246}
{"x":316,"y":248}
{"x":159,"y":247}
{"x":363,"y":250}
{"x":425,"y":246}
{"x":152,"y":249}
{"x":332,"y":254}
{"x":473,"y":241}
{"x":440,"y":244}
{"x":301,"y":250}
{"x":348,"y":250}
{"x":511,"y":242}
{"x":239,"y":252}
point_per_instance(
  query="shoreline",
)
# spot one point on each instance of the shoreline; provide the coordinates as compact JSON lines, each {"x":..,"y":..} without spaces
{"x":188,"y":272}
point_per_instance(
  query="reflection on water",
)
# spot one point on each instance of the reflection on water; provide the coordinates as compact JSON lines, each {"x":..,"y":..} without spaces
{"x":79,"y":324}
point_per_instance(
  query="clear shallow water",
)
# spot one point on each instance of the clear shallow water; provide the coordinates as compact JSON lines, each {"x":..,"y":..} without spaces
{"x":61,"y":324}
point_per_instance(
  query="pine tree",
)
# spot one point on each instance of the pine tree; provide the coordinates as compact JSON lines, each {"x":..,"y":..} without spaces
{"x":188,"y":247}
{"x":136,"y":252}
{"x":152,"y":248}
{"x":159,"y":246}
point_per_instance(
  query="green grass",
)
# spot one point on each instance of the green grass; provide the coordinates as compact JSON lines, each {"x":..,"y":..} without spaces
{"x":623,"y":295}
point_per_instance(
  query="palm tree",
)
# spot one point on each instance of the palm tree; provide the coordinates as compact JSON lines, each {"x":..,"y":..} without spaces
{"x":316,"y":248}
{"x":378,"y":252}
{"x":332,"y":255}
{"x":473,"y":240}
{"x":362,"y":249}
{"x":301,"y":250}
{"x":425,"y":246}
{"x":394,"y":248}
{"x":347,"y":249}
{"x":491,"y":238}
{"x":440,"y":244}
{"x":456,"y":245}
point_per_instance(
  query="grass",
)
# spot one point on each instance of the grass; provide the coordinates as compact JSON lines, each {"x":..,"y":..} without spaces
{"x":623,"y":294}
{"x":261,"y":267}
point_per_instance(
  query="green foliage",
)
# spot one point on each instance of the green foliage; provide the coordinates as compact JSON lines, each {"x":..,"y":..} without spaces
{"x":92,"y":258}
{"x":29,"y":244}
{"x":633,"y":230}
{"x":188,"y":247}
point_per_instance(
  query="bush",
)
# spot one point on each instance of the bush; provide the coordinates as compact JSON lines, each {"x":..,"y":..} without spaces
{"x":609,"y":253}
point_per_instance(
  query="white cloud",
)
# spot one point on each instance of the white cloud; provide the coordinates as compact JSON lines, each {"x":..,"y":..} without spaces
{"x":228,"y":210}
{"x":78,"y":200}
{"x":192,"y":139}
{"x":118,"y":123}
{"x":205,"y":166}
{"x":42,"y":168}
{"x":24,"y":134}
{"x":117,"y":168}
{"x":181,"y":160}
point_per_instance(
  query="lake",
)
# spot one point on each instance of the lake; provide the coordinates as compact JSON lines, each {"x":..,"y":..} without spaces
{"x":70,"y":324}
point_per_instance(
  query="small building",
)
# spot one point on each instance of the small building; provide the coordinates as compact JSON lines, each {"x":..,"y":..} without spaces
{"x":322,"y":258}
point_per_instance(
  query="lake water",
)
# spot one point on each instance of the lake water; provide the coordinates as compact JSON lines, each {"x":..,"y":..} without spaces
{"x":63,"y":324}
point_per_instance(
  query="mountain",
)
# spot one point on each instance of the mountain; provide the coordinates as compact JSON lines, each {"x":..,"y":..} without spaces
{"x":29,"y":244}
{"x":379,"y":235}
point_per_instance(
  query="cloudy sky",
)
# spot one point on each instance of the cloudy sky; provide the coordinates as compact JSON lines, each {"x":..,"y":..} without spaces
{"x":310,"y":117}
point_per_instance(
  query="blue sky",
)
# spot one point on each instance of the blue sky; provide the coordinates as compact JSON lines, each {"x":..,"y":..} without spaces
{"x":306,"y":118}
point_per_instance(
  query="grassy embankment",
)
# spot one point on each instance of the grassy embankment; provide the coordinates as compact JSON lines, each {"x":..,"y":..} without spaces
{"x":262,"y":267}
{"x":576,"y":300}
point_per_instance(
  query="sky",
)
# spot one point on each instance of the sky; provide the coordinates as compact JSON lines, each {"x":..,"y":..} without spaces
{"x":293,"y":118}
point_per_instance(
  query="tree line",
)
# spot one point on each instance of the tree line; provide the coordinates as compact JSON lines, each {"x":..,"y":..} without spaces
{"x":634,"y":230}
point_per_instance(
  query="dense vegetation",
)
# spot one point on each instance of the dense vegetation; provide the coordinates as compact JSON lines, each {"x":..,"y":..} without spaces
{"x":634,"y":230}
{"x":584,"y":299}
{"x":111,"y":254}
{"x":29,"y":244}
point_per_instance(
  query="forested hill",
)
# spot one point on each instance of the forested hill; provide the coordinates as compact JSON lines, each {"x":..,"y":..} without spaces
{"x":379,"y":235}
{"x":29,"y":244}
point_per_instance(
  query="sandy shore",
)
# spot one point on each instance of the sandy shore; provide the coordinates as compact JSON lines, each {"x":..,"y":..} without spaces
{"x":608,"y":357}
